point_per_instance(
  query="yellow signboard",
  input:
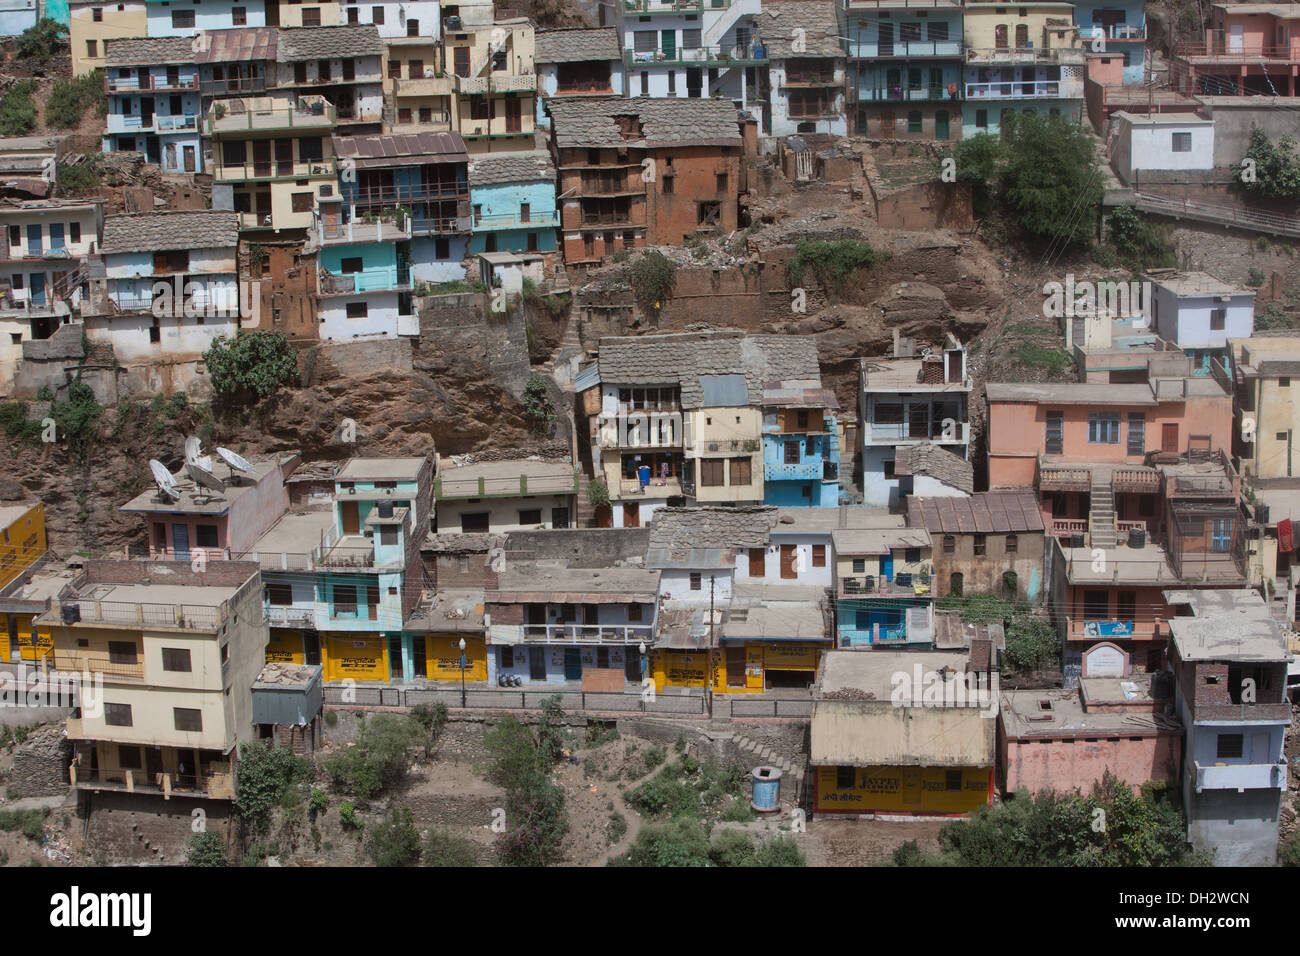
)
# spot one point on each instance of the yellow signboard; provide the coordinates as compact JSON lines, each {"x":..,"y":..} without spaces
{"x":285,"y":647}
{"x":679,"y":669}
{"x":442,"y":657}
{"x":921,"y":790}
{"x":789,"y":656}
{"x":33,"y":643}
{"x":354,"y":656}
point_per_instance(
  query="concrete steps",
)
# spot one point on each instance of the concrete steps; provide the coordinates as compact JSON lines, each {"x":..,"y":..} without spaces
{"x":1102,"y":514}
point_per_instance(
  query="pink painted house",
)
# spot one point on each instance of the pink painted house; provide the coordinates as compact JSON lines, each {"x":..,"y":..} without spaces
{"x":1067,"y":740}
{"x":1249,"y":49}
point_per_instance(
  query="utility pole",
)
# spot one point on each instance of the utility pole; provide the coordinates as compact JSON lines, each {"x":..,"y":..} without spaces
{"x":708,"y":670}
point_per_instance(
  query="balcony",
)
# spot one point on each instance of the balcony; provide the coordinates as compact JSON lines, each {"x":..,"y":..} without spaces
{"x":1242,"y":776}
{"x":73,"y":662}
{"x":1224,"y":50}
{"x":1064,"y":477}
{"x":470,"y":84}
{"x":280,"y":616}
{"x":447,"y":488}
{"x":233,"y":84}
{"x":588,"y":633}
{"x":544,"y":219}
{"x":187,"y":617}
{"x":1046,"y":89}
{"x":651,"y":7}
{"x":264,"y":114}
{"x":871,"y":585}
{"x":383,"y":230}
{"x":513,"y":83}
{"x":719,"y":55}
{"x":386,"y":195}
{"x":218,"y":786}
{"x":1121,"y":32}
{"x":906,"y":49}
{"x":452,"y":225}
{"x":1069,"y":527}
{"x":382,"y":279}
{"x":929,"y":94}
{"x":268,"y":169}
{"x":1027,"y":54}
{"x":957,"y":433}
{"x":175,"y":124}
{"x":134,"y":84}
{"x":810,"y":470}
{"x":809,"y":78}
{"x":423,"y":86}
{"x":630,"y":489}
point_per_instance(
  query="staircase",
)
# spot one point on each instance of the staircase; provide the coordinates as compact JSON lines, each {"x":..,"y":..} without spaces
{"x":570,"y":345}
{"x":792,"y":771}
{"x":586,"y":517}
{"x":1101,"y":517}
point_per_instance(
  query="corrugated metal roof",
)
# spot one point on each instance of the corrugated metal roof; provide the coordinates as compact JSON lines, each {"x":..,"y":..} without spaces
{"x":989,"y":512}
{"x":401,"y":149}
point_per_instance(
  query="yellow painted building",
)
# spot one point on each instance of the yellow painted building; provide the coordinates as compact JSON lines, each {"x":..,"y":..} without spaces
{"x":725,"y":448}
{"x":442,"y":657}
{"x":921,"y":790}
{"x":22,"y":539}
{"x":750,"y":662}
{"x":1000,"y":26}
{"x":309,"y":14}
{"x":495,"y":83}
{"x":364,"y":657}
{"x":90,"y":24}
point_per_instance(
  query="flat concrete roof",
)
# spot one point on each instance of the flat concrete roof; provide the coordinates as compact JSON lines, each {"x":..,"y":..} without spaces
{"x":1120,"y":565}
{"x":296,"y":533}
{"x":873,"y":671}
{"x":198,"y":595}
{"x":544,"y":477}
{"x":11,"y":513}
{"x":525,"y":582}
{"x":381,"y":469}
{"x":903,"y":375}
{"x":1232,"y":624}
{"x":459,"y":609}
{"x":195,"y":500}
{"x":1058,"y":713}
{"x":1162,"y":119}
{"x":825,"y":520}
{"x":1197,"y":284}
{"x":879,"y":541}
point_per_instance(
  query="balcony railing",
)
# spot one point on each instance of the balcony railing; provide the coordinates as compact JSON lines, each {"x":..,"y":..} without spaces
{"x":444,"y":488}
{"x":546,"y":218}
{"x":672,"y":488}
{"x":423,"y":86}
{"x":233,"y":84}
{"x":589,"y":633}
{"x":1137,"y":481}
{"x":187,"y":616}
{"x":956,"y":432}
{"x":781,"y":471}
{"x":310,"y":112}
{"x":738,"y":54}
{"x":1069,"y":527}
{"x":271,"y":169}
{"x":928,"y":94}
{"x":1223,"y":48}
{"x":512,"y":83}
{"x":135,"y":84}
{"x":1115,"y":31}
{"x":812,"y":78}
{"x":389,"y":229}
{"x":71,"y":661}
{"x":220,"y":786}
{"x":673,"y":6}
{"x":171,"y":124}
{"x":384,"y":279}
{"x":871,"y":585}
{"x":386,"y":195}
{"x":1241,"y":776}
{"x":902,"y":49}
{"x":281,"y":616}
{"x":1014,"y":90}
{"x":1064,"y":478}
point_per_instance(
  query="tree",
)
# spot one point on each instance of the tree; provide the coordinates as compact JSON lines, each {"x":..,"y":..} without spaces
{"x":263,"y":776}
{"x":380,"y":756}
{"x":1268,"y":170}
{"x":395,"y":841}
{"x":536,"y":818}
{"x":977,"y":159}
{"x":444,"y":849}
{"x":206,"y":849}
{"x":256,"y":363}
{"x":1138,"y":243}
{"x":39,"y":42}
{"x":1051,"y":178}
{"x":652,"y":277}
{"x":537,"y":406}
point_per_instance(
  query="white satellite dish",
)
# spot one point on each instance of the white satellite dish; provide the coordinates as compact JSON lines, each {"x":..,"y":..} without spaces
{"x":236,"y":462}
{"x":164,"y":479}
{"x":204,"y":477}
{"x":193,"y":448}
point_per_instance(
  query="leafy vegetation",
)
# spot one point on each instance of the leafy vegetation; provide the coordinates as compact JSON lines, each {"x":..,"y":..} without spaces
{"x":379,"y":758}
{"x":1054,"y":360}
{"x":18,"y":109}
{"x":687,"y":787}
{"x":395,"y":841}
{"x":206,"y":849}
{"x":30,"y":823}
{"x":832,"y":263}
{"x":537,"y":406}
{"x":1032,"y":642}
{"x":255,"y":363}
{"x":598,"y":493}
{"x":536,"y":818}
{"x":652,"y":277}
{"x":431,"y":718}
{"x":40,"y":42}
{"x":685,"y":842}
{"x":1288,"y":851}
{"x":441,"y":848}
{"x":455,"y":287}
{"x":70,"y":98}
{"x":264,"y":779}
{"x":81,"y":178}
{"x":1112,"y":826}
{"x":1271,"y":316}
{"x":1138,"y":244}
{"x":1276,"y":168}
{"x":617,"y":827}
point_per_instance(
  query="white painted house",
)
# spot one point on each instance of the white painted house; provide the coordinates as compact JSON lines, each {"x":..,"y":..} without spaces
{"x":1200,"y":313}
{"x":1163,"y":142}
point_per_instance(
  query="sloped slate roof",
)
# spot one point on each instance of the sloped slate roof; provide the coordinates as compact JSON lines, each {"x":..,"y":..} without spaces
{"x":780,"y":18}
{"x":493,"y":169}
{"x":571,"y":46}
{"x":939,"y":463}
{"x":158,"y":231}
{"x":989,"y":512}
{"x":589,"y":121}
{"x":322,"y":43}
{"x":401,"y":149}
{"x":711,"y":528}
{"x":148,"y":51}
{"x":709,"y":365}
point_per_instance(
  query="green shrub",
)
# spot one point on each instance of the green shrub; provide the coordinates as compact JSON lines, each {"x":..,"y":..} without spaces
{"x":832,"y":263}
{"x":30,"y":823}
{"x":1288,"y":853}
{"x":264,"y":775}
{"x":1255,"y":278}
{"x":738,"y":811}
{"x":1271,"y":316}
{"x":617,"y":827}
{"x":69,"y":99}
{"x":41,"y":41}
{"x":254,"y":363}
{"x":78,"y":179}
{"x":18,"y":109}
{"x":378,"y":759}
{"x":395,"y":841}
{"x":441,"y":848}
{"x":652,"y":277}
{"x":348,"y":816}
{"x":206,"y":849}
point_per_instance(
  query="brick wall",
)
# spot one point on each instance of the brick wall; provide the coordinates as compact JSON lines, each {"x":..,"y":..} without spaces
{"x":178,"y":573}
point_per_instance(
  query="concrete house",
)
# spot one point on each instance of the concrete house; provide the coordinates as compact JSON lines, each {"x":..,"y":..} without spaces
{"x":1199,"y":313}
{"x":91,"y":23}
{"x":341,"y":64}
{"x":153,"y":102}
{"x":1145,"y":145}
{"x":801,"y":442}
{"x":512,"y":196}
{"x":494,"y":76}
{"x":883,"y":586}
{"x":1262,"y":369}
{"x":481,"y":497}
{"x":1247,"y":49}
{"x":1229,"y":662}
{"x":1114,"y":34}
{"x":577,"y":62}
{"x":805,"y":68}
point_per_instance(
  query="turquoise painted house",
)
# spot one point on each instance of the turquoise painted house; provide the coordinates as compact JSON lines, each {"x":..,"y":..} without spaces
{"x":801,"y":445}
{"x":883,"y":592}
{"x":153,"y":108}
{"x":1115,"y":30}
{"x":512,"y":197}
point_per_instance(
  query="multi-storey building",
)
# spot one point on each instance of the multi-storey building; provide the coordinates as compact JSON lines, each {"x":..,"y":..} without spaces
{"x":1020,"y":58}
{"x":178,"y":661}
{"x":424,"y":174}
{"x":577,"y":62}
{"x":637,"y":172}
{"x":495,"y":81}
{"x":272,"y":157}
{"x":905,"y":399}
{"x":805,"y":68}
{"x":1114,"y":35}
{"x":1199,"y":313}
{"x":693,"y":49}
{"x":883,"y":585}
{"x":1230,"y":668}
{"x":154,"y":102}
{"x":1261,"y":371}
{"x":418,"y":92}
{"x":44,"y":271}
{"x":1248,"y":49}
{"x":23,"y":590}
{"x":394,"y":19}
{"x":22,"y":540}
{"x":905,"y":68}
{"x":801,"y":442}
{"x":171,"y":287}
{"x":93,"y":22}
{"x":188,"y":18}
{"x":341,"y":64}
{"x":513,"y":199}
{"x":500,"y":496}
{"x":363,"y":273}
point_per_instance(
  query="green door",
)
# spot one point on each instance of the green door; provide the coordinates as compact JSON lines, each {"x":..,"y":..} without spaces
{"x":941,"y":124}
{"x":572,"y":664}
{"x":669,"y":46}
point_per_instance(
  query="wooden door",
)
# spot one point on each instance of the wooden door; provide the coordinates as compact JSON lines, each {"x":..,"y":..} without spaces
{"x":631,"y":515}
{"x":153,"y":764}
{"x":262,"y":157}
{"x":537,"y":664}
{"x":372,"y":601}
{"x":351,"y":517}
{"x":788,"y":561}
{"x":757,"y":562}
{"x":735,"y":667}
{"x":887,"y":122}
{"x":1169,"y":437}
{"x":514,"y":115}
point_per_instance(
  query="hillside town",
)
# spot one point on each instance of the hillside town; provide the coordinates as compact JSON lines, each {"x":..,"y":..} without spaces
{"x":806,"y":428}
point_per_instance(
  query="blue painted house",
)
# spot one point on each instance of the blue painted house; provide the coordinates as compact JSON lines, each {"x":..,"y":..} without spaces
{"x":153,"y":102}
{"x":512,"y":196}
{"x":364,"y":274}
{"x":801,"y":446}
{"x":1114,"y":30}
{"x":883,"y":592}
{"x":422,"y":176}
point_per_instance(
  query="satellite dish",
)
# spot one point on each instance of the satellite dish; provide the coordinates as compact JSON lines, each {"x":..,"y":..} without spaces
{"x":193,"y":448}
{"x":203,"y":477}
{"x":236,"y":462}
{"x":166,"y":483}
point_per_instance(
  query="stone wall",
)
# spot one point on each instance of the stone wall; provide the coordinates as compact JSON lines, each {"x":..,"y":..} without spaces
{"x":41,"y":764}
{"x":135,"y":828}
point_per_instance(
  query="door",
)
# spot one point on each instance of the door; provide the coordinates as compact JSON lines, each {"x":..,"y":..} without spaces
{"x":394,"y":658}
{"x":887,"y":125}
{"x":757,"y":562}
{"x":311,"y":647}
{"x":146,"y":111}
{"x":788,"y":569}
{"x":735,"y":667}
{"x":284,"y":157}
{"x":1169,"y":437}
{"x":372,"y":602}
{"x":34,"y":245}
{"x":351,"y":517}
{"x":885,"y":38}
{"x":189,"y":158}
{"x":56,"y":236}
{"x":631,"y":515}
{"x":262,"y":157}
{"x":37,"y":284}
{"x":668,"y":43}
{"x":1000,"y":36}
{"x":886,"y":567}
{"x":153,"y":765}
{"x":694,"y":82}
{"x":537,"y":664}
{"x":1235,"y":38}
{"x":572,"y":664}
{"x":514,"y":115}
{"x":181,"y":542}
{"x":461,"y":60}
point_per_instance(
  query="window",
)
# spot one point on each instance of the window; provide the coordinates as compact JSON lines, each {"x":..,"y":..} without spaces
{"x":936,"y":32}
{"x":302,"y":202}
{"x":859,"y":565}
{"x":395,"y":70}
{"x":844,"y":778}
{"x":635,"y":613}
{"x":15,"y":236}
{"x":697,"y":581}
{"x":377,"y":15}
{"x":311,"y":16}
{"x":1284,"y":382}
{"x":530,"y":516}
{"x":979,"y":545}
{"x":1126,"y":606}
{"x":741,"y":473}
{"x":1182,"y":142}
{"x":239,"y":16}
{"x":819,"y":555}
{"x":1103,"y":428}
{"x":279,"y":594}
{"x":351,"y":264}
{"x":1013,"y":544}
{"x":92,"y":48}
{"x":645,"y":41}
{"x":792,"y":453}
{"x":74,"y":232}
{"x":117,"y":715}
{"x":690,"y":39}
{"x":982,"y":119}
{"x":176,"y":659}
{"x":711,"y":472}
{"x":1096,"y":605}
{"x":182,"y":19}
{"x":97,"y":14}
{"x":122,"y":652}
{"x":952,"y":779}
{"x":188,"y":719}
{"x":949,"y":544}
{"x":914,"y":122}
{"x":206,"y":535}
{"x":300,"y":72}
{"x":911,"y":555}
{"x":1218,"y":318}
{"x":345,"y":599}
{"x":1228,"y":747}
{"x":888,"y":469}
{"x":129,"y":758}
{"x":1055,"y":433}
{"x":722,"y":182}
{"x":476,"y":523}
{"x":909,"y":32}
{"x":358,"y":310}
{"x":507,"y":657}
{"x":672,"y":83}
{"x":1221,"y":535}
{"x":1137,"y":433}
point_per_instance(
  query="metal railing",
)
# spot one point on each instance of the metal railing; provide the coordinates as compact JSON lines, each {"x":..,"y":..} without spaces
{"x":72,"y":661}
{"x":1253,"y":219}
{"x":226,"y":116}
{"x":1224,"y":47}
{"x":1016,"y":90}
{"x":132,"y":84}
{"x":444,"y":488}
{"x":589,"y":633}
{"x":870,"y":585}
{"x":511,"y":220}
{"x":188,"y":616}
{"x":719,"y":53}
{"x":290,"y":616}
{"x":874,"y":49}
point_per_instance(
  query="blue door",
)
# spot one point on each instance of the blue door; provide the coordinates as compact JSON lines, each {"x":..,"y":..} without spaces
{"x":572,"y":663}
{"x":37,"y":282}
{"x":890,"y":621}
{"x":887,"y":567}
{"x":56,"y":236}
{"x":181,"y":542}
{"x":1221,"y":535}
{"x":34,"y":240}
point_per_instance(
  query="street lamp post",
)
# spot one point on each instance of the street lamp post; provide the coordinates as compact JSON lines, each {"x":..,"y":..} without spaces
{"x":462,"y":673}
